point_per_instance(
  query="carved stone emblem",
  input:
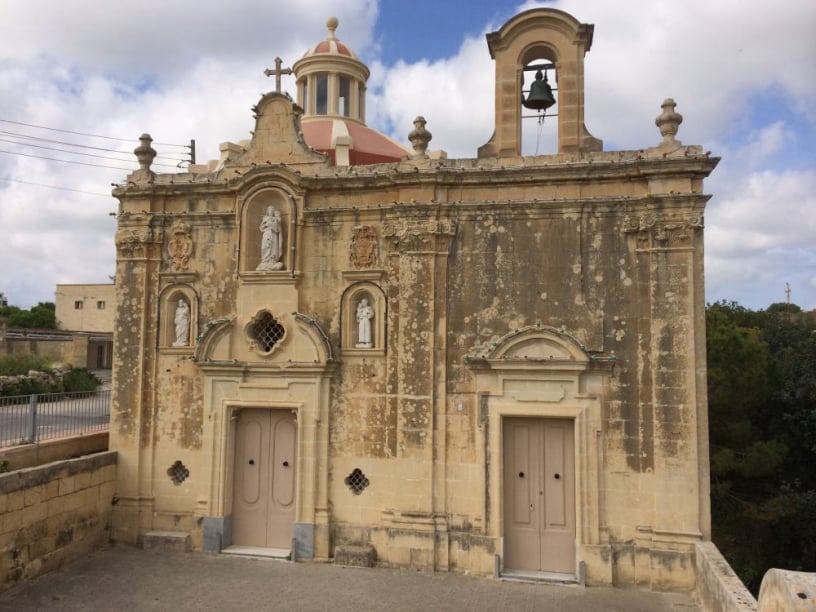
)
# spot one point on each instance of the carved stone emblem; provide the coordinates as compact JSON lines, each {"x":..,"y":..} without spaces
{"x":363,"y":248}
{"x":180,"y":245}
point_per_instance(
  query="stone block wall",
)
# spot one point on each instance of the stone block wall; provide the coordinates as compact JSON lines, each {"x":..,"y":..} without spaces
{"x":53,"y":513}
{"x":719,"y":589}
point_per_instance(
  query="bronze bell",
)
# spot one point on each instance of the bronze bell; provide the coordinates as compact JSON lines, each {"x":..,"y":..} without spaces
{"x":540,"y":96}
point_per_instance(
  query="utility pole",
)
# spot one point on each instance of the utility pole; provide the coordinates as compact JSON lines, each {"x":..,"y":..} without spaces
{"x":787,"y":303}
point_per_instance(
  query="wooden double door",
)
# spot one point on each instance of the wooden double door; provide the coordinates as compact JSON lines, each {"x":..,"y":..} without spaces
{"x":539,"y":495}
{"x":265,"y":481}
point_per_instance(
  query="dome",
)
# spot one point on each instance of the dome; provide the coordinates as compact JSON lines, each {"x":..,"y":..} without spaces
{"x":350,"y":143}
{"x":332,"y":44}
{"x":331,"y":86}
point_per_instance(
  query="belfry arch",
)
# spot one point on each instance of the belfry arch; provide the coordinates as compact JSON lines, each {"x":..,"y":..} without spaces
{"x":560,"y":39}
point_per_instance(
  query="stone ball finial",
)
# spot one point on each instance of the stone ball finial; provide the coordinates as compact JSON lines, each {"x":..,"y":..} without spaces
{"x":420,"y":137}
{"x":144,"y":152}
{"x":332,"y":24}
{"x":668,"y":121}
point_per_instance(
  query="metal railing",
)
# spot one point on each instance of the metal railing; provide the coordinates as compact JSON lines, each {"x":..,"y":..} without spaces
{"x":28,"y":419}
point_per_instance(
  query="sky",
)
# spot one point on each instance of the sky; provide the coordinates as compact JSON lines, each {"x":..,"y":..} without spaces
{"x":743,"y":74}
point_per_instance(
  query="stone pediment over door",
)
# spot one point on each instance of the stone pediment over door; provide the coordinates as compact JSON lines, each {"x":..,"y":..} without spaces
{"x":539,"y":363}
{"x":294,"y":340}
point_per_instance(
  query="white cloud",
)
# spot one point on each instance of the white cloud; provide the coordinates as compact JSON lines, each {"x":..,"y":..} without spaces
{"x":182,"y":71}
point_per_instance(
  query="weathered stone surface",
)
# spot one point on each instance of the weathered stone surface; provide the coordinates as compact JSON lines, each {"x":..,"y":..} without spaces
{"x":787,"y":591}
{"x":565,"y":286}
{"x":355,"y":556}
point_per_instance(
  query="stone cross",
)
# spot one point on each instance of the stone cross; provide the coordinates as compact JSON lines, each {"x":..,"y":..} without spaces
{"x":278,"y":71}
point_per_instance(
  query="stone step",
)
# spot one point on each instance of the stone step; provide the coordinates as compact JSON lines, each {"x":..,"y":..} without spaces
{"x":167,"y":541}
{"x":355,"y":556}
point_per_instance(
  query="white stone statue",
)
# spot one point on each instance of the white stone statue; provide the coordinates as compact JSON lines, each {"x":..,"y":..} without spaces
{"x":182,"y":324}
{"x":271,"y":250}
{"x":364,"y":315}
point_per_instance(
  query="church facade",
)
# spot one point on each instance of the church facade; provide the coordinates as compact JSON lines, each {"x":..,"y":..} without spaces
{"x":327,"y":339}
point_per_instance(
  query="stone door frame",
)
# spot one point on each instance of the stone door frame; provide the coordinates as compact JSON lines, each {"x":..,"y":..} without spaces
{"x":543,"y":372}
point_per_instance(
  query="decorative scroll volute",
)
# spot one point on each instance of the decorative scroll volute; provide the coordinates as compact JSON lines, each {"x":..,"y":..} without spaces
{"x":410,"y":234}
{"x":663,"y":231}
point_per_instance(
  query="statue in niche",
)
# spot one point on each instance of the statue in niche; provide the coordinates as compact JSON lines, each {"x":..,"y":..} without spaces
{"x":182,"y":324}
{"x":271,"y":250}
{"x":365,"y":313}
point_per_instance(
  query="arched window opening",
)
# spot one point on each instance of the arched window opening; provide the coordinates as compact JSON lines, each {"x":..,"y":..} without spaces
{"x":344,"y":100}
{"x":322,"y":93}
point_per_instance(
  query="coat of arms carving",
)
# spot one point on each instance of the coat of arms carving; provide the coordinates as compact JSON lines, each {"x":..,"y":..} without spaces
{"x":180,"y":245}
{"x":364,"y":247}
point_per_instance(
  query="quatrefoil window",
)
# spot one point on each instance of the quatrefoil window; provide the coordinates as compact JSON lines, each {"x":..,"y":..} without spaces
{"x":265,"y":331}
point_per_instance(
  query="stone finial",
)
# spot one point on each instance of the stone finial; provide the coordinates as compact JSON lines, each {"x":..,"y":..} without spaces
{"x":420,"y":137}
{"x":668,"y":121}
{"x":144,"y":152}
{"x":332,"y":23}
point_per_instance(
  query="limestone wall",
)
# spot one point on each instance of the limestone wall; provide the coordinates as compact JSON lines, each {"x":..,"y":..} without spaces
{"x":53,"y":513}
{"x":719,"y":589}
{"x":601,"y":253}
{"x":48,"y":451}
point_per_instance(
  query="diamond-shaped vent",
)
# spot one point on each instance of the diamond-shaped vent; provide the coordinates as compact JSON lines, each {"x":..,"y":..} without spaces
{"x":178,"y":472}
{"x":356,"y":481}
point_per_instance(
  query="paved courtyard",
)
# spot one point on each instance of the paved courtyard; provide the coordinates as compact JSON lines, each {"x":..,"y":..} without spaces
{"x":130,"y":579}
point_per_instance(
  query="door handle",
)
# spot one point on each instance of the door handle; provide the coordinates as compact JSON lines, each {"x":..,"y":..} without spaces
{"x":285,"y":464}
{"x":557,"y":476}
{"x":251,"y":462}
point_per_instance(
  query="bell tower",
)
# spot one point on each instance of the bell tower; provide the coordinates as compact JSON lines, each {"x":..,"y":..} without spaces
{"x":540,"y":34}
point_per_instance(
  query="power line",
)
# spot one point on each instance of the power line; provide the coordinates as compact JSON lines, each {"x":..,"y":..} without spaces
{"x":24,"y":144}
{"x":13,"y":180}
{"x":42,"y":127}
{"x":66,"y":161}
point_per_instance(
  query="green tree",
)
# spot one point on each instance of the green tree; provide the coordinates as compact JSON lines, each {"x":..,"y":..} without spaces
{"x":41,"y":316}
{"x":762,"y":407}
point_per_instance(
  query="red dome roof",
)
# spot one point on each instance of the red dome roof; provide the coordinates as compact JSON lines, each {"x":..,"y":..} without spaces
{"x":367,"y":146}
{"x":331,"y":45}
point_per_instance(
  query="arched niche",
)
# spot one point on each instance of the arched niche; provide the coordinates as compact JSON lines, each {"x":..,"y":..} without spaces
{"x":172,"y":301}
{"x":353,"y":303}
{"x":267,"y":214}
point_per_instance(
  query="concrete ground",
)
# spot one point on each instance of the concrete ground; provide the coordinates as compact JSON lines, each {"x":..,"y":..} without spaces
{"x":134,"y":580}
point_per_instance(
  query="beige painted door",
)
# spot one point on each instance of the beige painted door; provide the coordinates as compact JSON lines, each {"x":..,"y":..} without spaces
{"x":539,"y":495}
{"x":265,"y":467}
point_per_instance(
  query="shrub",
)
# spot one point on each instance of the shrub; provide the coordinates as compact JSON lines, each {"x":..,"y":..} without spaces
{"x":79,"y":379}
{"x":13,"y":365}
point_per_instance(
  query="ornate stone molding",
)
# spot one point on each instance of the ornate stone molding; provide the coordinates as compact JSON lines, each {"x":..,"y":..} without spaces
{"x":417,"y":233}
{"x":179,"y":246}
{"x":658,"y":230}
{"x":133,"y":243}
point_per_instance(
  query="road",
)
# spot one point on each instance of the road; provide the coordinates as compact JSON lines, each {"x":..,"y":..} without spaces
{"x":55,"y":418}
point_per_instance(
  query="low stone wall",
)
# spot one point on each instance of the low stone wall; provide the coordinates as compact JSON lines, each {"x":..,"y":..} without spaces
{"x":787,"y":591}
{"x":29,"y":455}
{"x":719,"y":589}
{"x":53,"y":513}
